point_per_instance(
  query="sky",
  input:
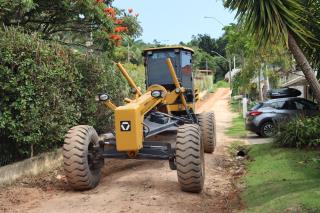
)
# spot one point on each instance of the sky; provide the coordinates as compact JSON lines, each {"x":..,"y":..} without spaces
{"x":172,"y":21}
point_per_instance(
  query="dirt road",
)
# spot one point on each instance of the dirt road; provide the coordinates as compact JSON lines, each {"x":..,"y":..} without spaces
{"x":139,"y":186}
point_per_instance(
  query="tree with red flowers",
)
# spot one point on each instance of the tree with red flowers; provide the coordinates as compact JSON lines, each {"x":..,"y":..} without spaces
{"x":72,"y":22}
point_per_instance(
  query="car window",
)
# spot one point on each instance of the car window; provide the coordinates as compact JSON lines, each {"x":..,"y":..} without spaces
{"x":258,"y":106}
{"x":277,"y":105}
{"x":304,"y":105}
{"x":298,"y":105}
{"x":289,"y":106}
{"x":312,"y":106}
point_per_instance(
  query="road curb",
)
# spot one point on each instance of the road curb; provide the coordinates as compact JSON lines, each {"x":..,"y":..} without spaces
{"x":31,"y":166}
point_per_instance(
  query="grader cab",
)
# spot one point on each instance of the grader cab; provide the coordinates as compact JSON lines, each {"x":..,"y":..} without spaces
{"x":167,"y":105}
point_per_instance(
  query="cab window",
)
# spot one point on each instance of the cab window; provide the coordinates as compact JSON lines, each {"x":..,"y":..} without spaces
{"x":163,"y":55}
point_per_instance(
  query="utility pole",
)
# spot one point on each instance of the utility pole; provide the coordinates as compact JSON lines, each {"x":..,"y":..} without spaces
{"x":259,"y":84}
{"x":229,"y":61}
{"x":207,"y":64}
{"x":230,"y":74}
{"x":267,"y":78}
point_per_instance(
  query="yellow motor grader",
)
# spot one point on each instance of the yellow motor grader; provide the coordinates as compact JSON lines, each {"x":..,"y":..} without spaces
{"x":167,"y":105}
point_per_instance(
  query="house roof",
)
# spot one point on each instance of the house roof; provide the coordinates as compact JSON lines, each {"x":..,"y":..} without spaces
{"x":297,"y":80}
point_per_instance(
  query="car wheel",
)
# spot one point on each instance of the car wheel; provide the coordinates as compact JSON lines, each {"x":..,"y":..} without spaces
{"x":268,"y":129}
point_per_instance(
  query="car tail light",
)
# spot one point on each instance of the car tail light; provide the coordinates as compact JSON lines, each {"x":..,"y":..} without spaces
{"x":255,"y":113}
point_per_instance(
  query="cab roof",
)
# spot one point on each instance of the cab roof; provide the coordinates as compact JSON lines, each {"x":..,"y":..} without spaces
{"x":168,"y":48}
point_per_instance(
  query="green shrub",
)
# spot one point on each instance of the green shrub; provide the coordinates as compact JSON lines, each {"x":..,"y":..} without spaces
{"x":236,"y":106}
{"x":222,"y":84}
{"x":300,"y":132}
{"x":137,"y":72}
{"x":219,"y":84}
{"x":47,"y":88}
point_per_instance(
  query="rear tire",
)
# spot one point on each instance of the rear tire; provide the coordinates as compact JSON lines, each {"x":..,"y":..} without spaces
{"x":207,"y":125}
{"x":82,"y":169}
{"x":190,"y":158}
{"x":268,"y":129}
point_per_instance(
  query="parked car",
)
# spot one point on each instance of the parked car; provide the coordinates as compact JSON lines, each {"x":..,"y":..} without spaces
{"x":263,"y":118}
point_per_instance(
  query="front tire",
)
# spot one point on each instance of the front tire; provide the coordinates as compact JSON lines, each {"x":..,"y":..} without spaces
{"x":190,"y":158}
{"x":81,"y":166}
{"x":207,"y":125}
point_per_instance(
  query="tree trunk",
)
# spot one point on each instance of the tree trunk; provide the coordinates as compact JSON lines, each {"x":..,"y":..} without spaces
{"x":305,"y":66}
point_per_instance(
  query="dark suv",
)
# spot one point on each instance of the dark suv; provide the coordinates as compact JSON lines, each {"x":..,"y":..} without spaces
{"x":262,"y":118}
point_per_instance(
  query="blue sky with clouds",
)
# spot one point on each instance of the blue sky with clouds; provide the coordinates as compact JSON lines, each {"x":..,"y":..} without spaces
{"x":172,"y":21}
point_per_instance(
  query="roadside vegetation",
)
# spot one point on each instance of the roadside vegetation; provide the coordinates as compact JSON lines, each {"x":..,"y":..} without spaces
{"x":52,"y":65}
{"x":217,"y":85}
{"x":54,"y":60}
{"x":279,"y":177}
{"x":282,"y":176}
{"x":47,"y":88}
{"x":271,"y":59}
{"x":291,"y":26}
{"x":302,"y":132}
{"x":238,"y":127}
{"x":281,"y":180}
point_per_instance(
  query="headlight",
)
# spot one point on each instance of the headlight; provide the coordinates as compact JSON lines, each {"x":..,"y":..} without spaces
{"x":133,"y":91}
{"x":156,"y":93}
{"x":103,"y":97}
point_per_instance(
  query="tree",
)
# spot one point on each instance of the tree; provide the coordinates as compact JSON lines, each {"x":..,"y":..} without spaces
{"x":209,"y":45}
{"x":131,"y":50}
{"x":93,"y":23}
{"x":313,"y":24}
{"x":252,"y":59}
{"x":271,"y":21}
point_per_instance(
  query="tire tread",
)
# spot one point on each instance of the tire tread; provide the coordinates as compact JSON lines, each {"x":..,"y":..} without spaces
{"x":207,"y":125}
{"x":189,"y":158}
{"x":75,"y":150}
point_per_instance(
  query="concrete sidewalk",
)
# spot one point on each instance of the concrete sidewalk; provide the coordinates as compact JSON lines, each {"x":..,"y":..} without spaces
{"x":253,"y":139}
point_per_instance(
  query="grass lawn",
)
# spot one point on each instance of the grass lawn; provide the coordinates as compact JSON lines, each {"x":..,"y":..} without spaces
{"x":236,"y":106}
{"x":278,"y":179}
{"x":282,"y":180}
{"x":238,"y":124}
{"x":238,"y":128}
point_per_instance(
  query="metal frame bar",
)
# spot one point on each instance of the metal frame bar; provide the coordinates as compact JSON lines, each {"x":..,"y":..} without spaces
{"x":151,"y":150}
{"x":160,"y":129}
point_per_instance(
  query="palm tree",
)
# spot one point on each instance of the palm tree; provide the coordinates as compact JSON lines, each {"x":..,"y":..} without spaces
{"x":279,"y":21}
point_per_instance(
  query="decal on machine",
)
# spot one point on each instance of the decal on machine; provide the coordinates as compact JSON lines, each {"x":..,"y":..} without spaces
{"x":125,"y":126}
